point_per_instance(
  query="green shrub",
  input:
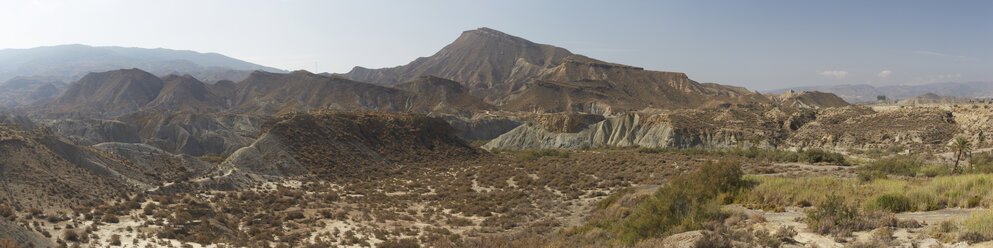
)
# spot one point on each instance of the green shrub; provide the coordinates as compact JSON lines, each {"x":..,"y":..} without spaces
{"x":901,"y":165}
{"x":981,"y":163}
{"x":935,"y":170}
{"x":868,"y":176}
{"x":834,"y":217}
{"x":891,"y":202}
{"x":814,"y":156}
{"x":684,"y":204}
{"x":981,"y":224}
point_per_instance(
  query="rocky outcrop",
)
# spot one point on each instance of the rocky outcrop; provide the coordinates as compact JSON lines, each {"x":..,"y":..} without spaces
{"x":834,"y":128}
{"x":482,"y":126}
{"x":166,"y":166}
{"x":585,"y":85}
{"x":196,"y":134}
{"x":689,"y":128}
{"x":862,"y":127}
{"x":94,"y":131}
{"x":809,"y":99}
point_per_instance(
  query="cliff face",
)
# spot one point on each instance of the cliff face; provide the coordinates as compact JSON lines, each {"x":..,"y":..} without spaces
{"x":641,"y":129}
{"x":836,"y":128}
{"x":584,"y":85}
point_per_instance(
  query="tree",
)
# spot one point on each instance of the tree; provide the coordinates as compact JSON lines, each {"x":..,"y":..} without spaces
{"x":961,"y":147}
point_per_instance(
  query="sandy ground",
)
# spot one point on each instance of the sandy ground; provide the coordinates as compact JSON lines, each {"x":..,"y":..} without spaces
{"x":903,"y":237}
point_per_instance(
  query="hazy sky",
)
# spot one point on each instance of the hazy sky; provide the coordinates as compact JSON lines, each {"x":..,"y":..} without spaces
{"x":757,"y":44}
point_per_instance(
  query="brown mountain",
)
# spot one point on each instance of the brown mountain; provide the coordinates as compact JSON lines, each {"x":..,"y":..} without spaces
{"x":107,"y":94}
{"x":582,"y":84}
{"x":809,"y":99}
{"x":272,"y":93}
{"x":442,"y":96}
{"x":486,"y":61}
{"x":186,"y":93}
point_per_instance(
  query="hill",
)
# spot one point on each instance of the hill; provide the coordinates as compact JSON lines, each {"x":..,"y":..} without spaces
{"x":442,"y":96}
{"x":186,"y":93}
{"x":107,"y":94}
{"x":931,"y":98}
{"x":810,"y":99}
{"x":339,"y":146}
{"x":272,"y":93}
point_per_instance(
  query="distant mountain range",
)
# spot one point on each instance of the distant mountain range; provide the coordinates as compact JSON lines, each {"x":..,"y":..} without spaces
{"x":868,"y":93}
{"x":37,"y":75}
{"x":484,"y":69}
{"x":71,"y":62}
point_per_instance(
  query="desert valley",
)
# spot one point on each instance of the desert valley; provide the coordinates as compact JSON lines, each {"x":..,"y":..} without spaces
{"x":492,"y":141}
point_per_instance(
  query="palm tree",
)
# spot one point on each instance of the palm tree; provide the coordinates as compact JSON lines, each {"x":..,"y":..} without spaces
{"x":961,"y":147}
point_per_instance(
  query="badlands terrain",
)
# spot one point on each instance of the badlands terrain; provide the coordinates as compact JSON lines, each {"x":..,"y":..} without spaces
{"x":494,"y":141}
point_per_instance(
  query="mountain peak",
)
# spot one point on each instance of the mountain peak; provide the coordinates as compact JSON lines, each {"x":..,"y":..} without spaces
{"x":487,"y":34}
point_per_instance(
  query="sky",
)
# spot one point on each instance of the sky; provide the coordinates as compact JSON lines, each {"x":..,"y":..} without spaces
{"x":757,"y":44}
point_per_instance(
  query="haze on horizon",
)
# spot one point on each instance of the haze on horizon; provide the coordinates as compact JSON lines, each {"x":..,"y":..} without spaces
{"x":756,"y":44}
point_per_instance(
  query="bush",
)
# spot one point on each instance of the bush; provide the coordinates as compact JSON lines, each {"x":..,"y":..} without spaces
{"x":814,"y":156}
{"x":935,"y":170}
{"x":900,"y":165}
{"x":403,"y":243}
{"x":70,"y":235}
{"x":115,"y":240}
{"x":974,"y":201}
{"x":834,"y":217}
{"x":981,"y":224}
{"x":684,"y":204}
{"x":110,"y":218}
{"x":6,"y":211}
{"x":891,"y":202}
{"x":868,"y":176}
{"x":981,"y":163}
